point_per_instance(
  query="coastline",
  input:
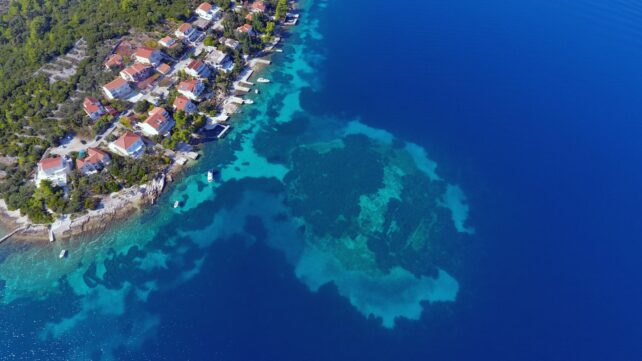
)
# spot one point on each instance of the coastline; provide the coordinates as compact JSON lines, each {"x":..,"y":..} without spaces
{"x":124,"y":203}
{"x":114,"y":208}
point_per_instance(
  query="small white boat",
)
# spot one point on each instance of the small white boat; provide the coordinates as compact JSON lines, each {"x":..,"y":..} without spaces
{"x":278,"y":50}
{"x":63,"y":254}
{"x":248,"y":101}
{"x":263,"y":80}
{"x":256,"y":91}
{"x":210,"y":176}
{"x":176,"y":204}
{"x":51,"y":235}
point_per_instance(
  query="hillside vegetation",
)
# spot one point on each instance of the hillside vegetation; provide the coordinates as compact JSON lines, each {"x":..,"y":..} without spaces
{"x":33,"y":32}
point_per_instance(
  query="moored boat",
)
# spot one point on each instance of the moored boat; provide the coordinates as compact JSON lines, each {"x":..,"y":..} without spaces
{"x":63,"y":254}
{"x":263,"y":80}
{"x":210,"y":176}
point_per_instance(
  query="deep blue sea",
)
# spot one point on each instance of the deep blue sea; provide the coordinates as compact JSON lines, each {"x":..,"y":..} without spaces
{"x":528,"y":115}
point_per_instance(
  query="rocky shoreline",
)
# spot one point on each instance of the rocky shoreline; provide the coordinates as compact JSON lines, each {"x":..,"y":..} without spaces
{"x":115,"y":207}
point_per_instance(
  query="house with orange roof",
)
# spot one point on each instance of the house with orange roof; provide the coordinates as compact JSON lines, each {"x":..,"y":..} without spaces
{"x":117,"y":88}
{"x":258,"y":7}
{"x":159,"y":122}
{"x":182,"y":103}
{"x":55,"y":169}
{"x":186,"y":31}
{"x":147,"y":55}
{"x":245,"y":29}
{"x":136,"y":72}
{"x":95,"y":160}
{"x":207,"y":11}
{"x":93,"y":108}
{"x":164,"y":69}
{"x":114,"y":61}
{"x":197,"y":68}
{"x":191,"y":88}
{"x":168,"y":42}
{"x":128,"y":145}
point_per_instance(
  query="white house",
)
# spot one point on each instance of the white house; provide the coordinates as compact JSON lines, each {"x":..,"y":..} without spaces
{"x":197,"y":68}
{"x":147,"y":55}
{"x":93,"y":108}
{"x":54,"y":169}
{"x":207,"y":11}
{"x":186,"y":31}
{"x":128,"y":145}
{"x":181,"y":102}
{"x":117,"y":88}
{"x":230,"y":43}
{"x":191,"y":88}
{"x":219,"y":60}
{"x":159,"y":122}
{"x":95,"y":160}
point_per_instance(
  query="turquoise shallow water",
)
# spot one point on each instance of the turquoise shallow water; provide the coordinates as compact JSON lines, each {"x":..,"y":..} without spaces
{"x":343,"y":203}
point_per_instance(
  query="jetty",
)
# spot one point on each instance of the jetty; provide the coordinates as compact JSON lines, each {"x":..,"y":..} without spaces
{"x":6,"y":237}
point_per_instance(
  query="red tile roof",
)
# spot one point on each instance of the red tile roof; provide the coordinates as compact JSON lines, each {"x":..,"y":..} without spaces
{"x":91,"y":105}
{"x":258,"y":6}
{"x":164,"y":68}
{"x":94,"y":156}
{"x":195,"y":64}
{"x":116,"y":83}
{"x":181,"y":102}
{"x":184,"y":28}
{"x":127,"y":140}
{"x":245,"y":28}
{"x":166,"y":40}
{"x":49,"y":163}
{"x":188,"y":85}
{"x":136,"y":69}
{"x":205,"y":7}
{"x":145,"y":52}
{"x":114,"y":60}
{"x":157,"y":118}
